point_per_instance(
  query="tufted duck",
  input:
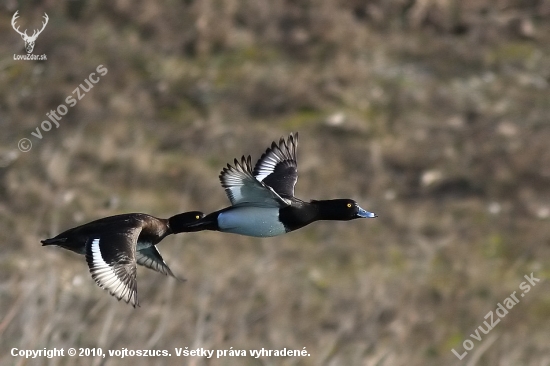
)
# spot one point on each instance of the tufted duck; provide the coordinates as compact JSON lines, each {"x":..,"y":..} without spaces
{"x":113,"y":245}
{"x":262,"y":198}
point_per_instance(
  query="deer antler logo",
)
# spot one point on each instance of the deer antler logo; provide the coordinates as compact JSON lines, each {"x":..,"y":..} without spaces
{"x":29,"y":40}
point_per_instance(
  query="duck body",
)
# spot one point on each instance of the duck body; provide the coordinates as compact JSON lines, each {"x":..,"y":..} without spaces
{"x":153,"y":230}
{"x":114,"y":245}
{"x":269,"y":221}
{"x":263,"y":202}
{"x":250,"y":221}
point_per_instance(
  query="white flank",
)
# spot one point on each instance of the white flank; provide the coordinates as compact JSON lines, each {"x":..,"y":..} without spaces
{"x":251,"y":221}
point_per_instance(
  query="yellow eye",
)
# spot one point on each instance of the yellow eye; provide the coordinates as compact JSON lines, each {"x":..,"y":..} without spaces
{"x":349,"y":205}
{"x":197,"y":217}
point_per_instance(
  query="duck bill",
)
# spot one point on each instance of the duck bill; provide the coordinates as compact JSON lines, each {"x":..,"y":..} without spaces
{"x":365,"y":214}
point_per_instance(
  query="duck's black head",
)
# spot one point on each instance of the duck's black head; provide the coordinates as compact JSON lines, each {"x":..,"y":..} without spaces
{"x":342,"y":210}
{"x":180,"y":223}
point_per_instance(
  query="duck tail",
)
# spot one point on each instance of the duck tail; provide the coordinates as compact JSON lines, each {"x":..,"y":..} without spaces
{"x":53,"y":241}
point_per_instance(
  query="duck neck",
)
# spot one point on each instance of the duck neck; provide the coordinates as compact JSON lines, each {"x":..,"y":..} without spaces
{"x":297,"y":216}
{"x":325,"y":210}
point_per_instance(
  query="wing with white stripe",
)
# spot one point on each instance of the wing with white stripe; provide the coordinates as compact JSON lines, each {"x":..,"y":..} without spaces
{"x":278,"y":168}
{"x":242,"y":188}
{"x":111,"y":258}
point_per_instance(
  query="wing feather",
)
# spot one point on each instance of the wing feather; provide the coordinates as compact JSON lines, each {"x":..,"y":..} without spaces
{"x":112,"y":263}
{"x":242,"y":187}
{"x":151,"y":258}
{"x":278,"y":168}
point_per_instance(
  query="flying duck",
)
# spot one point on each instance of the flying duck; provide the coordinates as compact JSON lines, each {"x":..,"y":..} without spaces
{"x":262,"y":198}
{"x":113,"y":245}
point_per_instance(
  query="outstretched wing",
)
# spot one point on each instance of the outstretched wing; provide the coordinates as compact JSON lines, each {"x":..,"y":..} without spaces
{"x":278,"y":168}
{"x":242,"y":188}
{"x":151,"y":258}
{"x":112,"y":261}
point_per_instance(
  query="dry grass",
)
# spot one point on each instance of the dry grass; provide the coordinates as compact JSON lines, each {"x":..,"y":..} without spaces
{"x":433,"y":114}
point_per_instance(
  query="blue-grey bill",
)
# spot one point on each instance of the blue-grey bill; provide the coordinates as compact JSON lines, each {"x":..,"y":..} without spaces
{"x":365,"y":213}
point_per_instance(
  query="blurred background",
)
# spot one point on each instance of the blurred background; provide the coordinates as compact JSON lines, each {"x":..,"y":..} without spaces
{"x":431,"y":113}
